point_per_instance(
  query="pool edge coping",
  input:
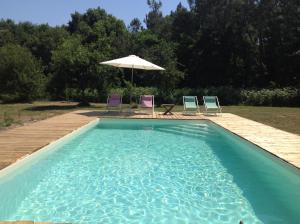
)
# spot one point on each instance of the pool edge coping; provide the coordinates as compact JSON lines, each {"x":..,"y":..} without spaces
{"x":259,"y":147}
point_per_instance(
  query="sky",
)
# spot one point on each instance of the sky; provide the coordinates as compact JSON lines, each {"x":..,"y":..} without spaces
{"x":57,"y":12}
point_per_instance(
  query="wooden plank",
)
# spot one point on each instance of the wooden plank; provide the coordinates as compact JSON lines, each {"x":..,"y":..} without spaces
{"x":22,"y":141}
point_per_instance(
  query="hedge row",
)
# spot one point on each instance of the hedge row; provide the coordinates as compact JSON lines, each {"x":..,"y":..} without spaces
{"x":288,"y":96}
{"x":227,"y":95}
{"x":232,"y":96}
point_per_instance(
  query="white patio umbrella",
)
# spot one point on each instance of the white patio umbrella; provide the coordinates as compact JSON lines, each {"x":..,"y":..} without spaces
{"x":133,"y":62}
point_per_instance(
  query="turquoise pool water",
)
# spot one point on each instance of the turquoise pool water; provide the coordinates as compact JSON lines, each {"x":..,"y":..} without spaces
{"x":146,"y":171}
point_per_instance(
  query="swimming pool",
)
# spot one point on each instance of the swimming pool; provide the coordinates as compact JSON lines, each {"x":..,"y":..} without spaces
{"x":152,"y":171}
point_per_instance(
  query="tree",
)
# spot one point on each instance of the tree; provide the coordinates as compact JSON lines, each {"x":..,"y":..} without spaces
{"x":222,"y":43}
{"x":135,"y":26}
{"x":183,"y":35}
{"x":47,"y":39}
{"x":278,"y":26}
{"x":159,"y":51}
{"x":6,"y":32}
{"x":73,"y":67}
{"x":154,"y":19}
{"x":21,"y":76}
{"x":107,"y":38}
{"x":241,"y":43}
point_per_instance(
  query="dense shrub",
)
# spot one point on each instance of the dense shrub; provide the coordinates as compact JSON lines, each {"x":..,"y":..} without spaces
{"x":232,"y":96}
{"x":271,"y":97}
{"x":21,"y":76}
{"x":135,"y":92}
{"x":91,"y":95}
{"x":227,"y":95}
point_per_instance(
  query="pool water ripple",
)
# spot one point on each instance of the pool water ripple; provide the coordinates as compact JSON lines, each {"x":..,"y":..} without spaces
{"x":138,"y":172}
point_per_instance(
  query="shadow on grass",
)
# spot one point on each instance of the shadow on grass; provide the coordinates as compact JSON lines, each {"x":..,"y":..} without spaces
{"x":52,"y":107}
{"x":105,"y":113}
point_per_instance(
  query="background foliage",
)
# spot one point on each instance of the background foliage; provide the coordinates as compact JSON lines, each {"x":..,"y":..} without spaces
{"x":21,"y":76}
{"x":244,"y":51}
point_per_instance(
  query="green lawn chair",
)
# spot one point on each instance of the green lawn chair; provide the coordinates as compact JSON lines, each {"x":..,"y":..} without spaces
{"x":211,"y":104}
{"x":190,"y":104}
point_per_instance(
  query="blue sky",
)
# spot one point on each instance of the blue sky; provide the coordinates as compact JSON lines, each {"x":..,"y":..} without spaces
{"x":57,"y":12}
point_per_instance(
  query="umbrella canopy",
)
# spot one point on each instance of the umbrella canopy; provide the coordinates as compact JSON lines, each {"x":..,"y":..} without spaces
{"x":133,"y":62}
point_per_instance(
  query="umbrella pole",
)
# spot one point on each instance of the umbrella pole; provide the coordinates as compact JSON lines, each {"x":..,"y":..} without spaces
{"x":132,"y":76}
{"x":131,"y":89}
{"x":131,"y":84}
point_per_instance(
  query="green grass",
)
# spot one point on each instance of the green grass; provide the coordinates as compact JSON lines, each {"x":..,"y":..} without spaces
{"x":20,"y":113}
{"x":285,"y":118}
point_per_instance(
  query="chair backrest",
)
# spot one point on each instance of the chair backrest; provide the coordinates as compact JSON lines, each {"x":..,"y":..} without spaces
{"x":190,"y":101}
{"x":114,"y":100}
{"x":211,"y":101}
{"x":147,"y":101}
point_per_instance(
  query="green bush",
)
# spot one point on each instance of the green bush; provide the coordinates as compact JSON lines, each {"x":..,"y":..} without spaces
{"x":120,"y":91}
{"x":21,"y":76}
{"x":91,"y":95}
{"x":138,"y":91}
{"x":9,"y":98}
{"x":271,"y":97}
{"x":7,"y":120}
{"x":227,"y":95}
{"x":233,"y":96}
{"x":135,"y":92}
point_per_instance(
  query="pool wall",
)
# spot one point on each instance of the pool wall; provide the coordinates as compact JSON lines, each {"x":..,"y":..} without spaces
{"x":261,"y":166}
{"x":14,"y":178}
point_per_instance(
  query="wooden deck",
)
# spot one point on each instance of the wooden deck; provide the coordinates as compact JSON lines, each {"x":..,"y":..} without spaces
{"x":21,"y":141}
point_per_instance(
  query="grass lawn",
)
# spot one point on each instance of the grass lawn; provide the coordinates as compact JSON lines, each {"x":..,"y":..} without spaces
{"x":20,"y":113}
{"x":285,"y":118}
